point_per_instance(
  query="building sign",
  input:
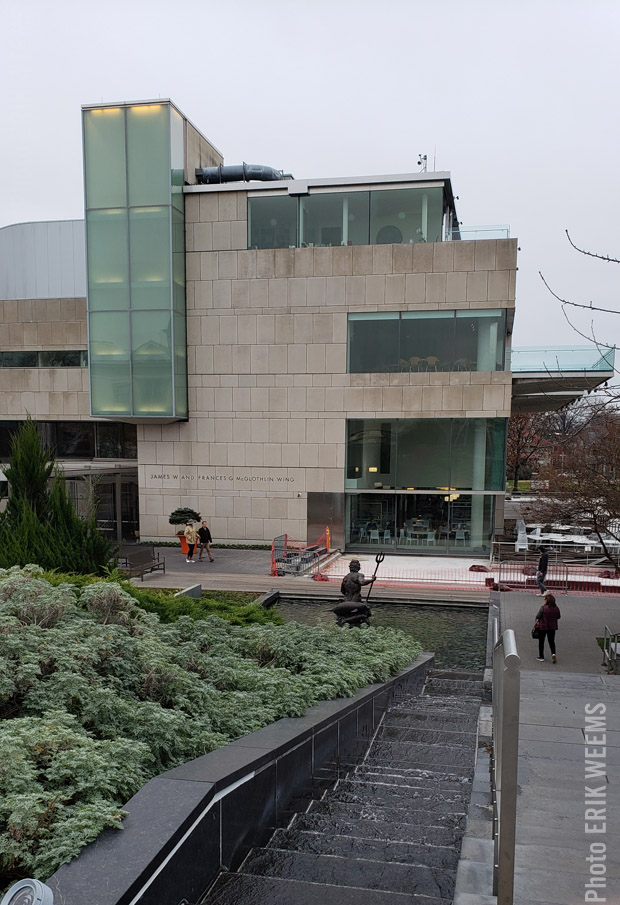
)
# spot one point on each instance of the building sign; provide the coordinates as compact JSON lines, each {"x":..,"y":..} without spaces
{"x":226,"y":479}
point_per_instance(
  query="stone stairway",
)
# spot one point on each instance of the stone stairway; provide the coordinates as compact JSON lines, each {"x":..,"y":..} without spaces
{"x":390,"y":832}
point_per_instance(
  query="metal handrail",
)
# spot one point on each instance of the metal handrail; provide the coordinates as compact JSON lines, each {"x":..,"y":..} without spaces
{"x":504,"y":762}
{"x":557,"y":573}
{"x":611,"y":648}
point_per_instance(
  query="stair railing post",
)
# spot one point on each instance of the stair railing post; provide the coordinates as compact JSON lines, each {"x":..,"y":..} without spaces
{"x":506,"y":692}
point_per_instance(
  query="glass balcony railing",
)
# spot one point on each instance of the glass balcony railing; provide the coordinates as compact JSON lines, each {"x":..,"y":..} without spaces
{"x":476,"y":233}
{"x":562,"y":359}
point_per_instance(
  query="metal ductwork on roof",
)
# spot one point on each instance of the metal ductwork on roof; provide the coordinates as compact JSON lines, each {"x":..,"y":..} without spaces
{"x":244,"y":172}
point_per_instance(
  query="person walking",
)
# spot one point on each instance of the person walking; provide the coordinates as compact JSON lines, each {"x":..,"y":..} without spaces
{"x":191,"y":536}
{"x":547,"y":617}
{"x":541,"y":574}
{"x":205,"y":539}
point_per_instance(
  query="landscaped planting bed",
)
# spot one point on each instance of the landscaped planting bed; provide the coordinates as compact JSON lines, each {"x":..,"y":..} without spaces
{"x":97,"y":696}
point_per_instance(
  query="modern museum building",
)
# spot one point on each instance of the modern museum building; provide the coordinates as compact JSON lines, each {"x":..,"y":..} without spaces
{"x":281,"y":355}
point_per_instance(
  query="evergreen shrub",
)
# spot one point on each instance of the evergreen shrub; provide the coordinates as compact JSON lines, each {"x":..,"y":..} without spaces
{"x":39,"y":523}
{"x":97,"y":696}
{"x":237,"y":607}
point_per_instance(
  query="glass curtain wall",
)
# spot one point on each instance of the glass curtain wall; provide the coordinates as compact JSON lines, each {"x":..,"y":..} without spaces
{"x":133,"y":165}
{"x":470,"y":340}
{"x":442,"y":475}
{"x":116,"y":502}
{"x":378,"y":217}
{"x":78,"y":439}
{"x":61,"y":358}
{"x":437,"y":523}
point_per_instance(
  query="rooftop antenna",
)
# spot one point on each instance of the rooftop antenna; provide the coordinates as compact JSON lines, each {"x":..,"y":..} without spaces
{"x":423,"y":162}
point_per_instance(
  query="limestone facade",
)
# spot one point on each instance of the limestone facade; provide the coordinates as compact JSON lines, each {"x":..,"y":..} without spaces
{"x":52,"y":394}
{"x":269,"y":392}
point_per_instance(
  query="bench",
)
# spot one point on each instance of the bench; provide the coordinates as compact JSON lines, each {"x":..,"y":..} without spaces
{"x":142,"y":560}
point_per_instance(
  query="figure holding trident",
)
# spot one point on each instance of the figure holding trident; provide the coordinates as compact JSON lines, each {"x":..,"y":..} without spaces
{"x":353,"y":611}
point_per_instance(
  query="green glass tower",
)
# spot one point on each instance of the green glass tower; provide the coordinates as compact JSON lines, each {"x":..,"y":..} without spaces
{"x":133,"y":181}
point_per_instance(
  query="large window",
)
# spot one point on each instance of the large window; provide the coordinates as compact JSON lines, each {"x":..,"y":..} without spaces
{"x":425,"y":523}
{"x":426,"y":341}
{"x":272,"y":222}
{"x":62,"y":358}
{"x":78,"y":439}
{"x":380,"y":217}
{"x":439,"y":454}
{"x":335,"y":219}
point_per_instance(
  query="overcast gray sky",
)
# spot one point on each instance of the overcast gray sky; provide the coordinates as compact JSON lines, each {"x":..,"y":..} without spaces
{"x":518,"y":100}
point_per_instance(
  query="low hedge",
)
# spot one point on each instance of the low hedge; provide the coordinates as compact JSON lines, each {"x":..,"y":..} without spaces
{"x":236,"y":607}
{"x":97,"y":696}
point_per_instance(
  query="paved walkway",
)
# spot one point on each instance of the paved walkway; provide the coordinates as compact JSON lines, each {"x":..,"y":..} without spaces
{"x":554,"y":831}
{"x":249,"y":570}
{"x":552,"y":841}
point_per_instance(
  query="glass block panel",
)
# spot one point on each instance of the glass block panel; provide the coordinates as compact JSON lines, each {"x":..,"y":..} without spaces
{"x":18,"y":360}
{"x":108,"y":260}
{"x":177,"y":158}
{"x":110,"y":381}
{"x":424,"y":454}
{"x":468,"y":467}
{"x":129,"y":441}
{"x":334,"y":219}
{"x":471,"y":523}
{"x":406,"y":215}
{"x":480,"y":340}
{"x":68,"y":358}
{"x":272,"y":222}
{"x":104,"y":157}
{"x":371,"y":454}
{"x":178,"y":260}
{"x":148,"y":154}
{"x":6,"y":435}
{"x":427,"y":341}
{"x":180,"y":365}
{"x":115,"y":441}
{"x":151,"y":358}
{"x":75,"y":440}
{"x":371,"y":520}
{"x":422,"y":523}
{"x":149,"y":237}
{"x":373,"y":342}
{"x":108,"y":441}
{"x":495,"y":454}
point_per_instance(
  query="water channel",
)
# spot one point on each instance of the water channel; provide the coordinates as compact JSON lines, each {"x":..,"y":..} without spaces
{"x":456,"y":634}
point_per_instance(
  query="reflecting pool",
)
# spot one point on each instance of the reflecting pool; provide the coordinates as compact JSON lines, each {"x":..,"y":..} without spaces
{"x":456,"y":635}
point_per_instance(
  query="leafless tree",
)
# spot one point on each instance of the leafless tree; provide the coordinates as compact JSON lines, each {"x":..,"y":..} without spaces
{"x":586,"y":489}
{"x":608,"y":395}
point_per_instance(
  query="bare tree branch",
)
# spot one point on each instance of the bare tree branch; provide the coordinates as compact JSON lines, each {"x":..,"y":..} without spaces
{"x":587,"y":307}
{"x":591,"y":254}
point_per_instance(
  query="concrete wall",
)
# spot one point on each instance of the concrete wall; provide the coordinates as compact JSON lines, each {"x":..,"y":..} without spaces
{"x":37,"y":325}
{"x":268,"y":390}
{"x":43,"y":260}
{"x":186,"y":825}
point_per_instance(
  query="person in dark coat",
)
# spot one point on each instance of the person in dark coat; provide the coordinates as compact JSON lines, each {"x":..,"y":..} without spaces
{"x":547,"y":617}
{"x":541,"y":573}
{"x":205,"y":539}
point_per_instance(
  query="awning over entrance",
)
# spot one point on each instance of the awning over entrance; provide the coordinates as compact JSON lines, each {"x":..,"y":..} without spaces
{"x":546,"y":379}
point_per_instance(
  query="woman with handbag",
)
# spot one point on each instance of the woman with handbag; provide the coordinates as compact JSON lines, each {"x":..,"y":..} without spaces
{"x":547,"y":622}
